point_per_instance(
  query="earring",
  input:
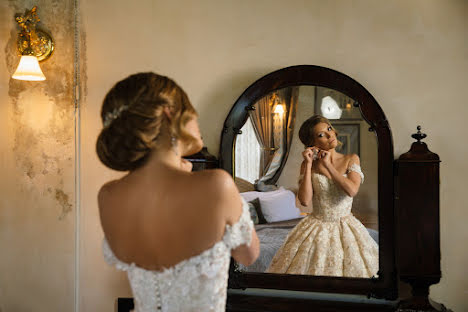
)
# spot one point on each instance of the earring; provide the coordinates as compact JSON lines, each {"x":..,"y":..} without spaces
{"x":174,"y":145}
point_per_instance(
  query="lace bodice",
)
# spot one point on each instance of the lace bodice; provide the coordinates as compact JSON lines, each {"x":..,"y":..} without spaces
{"x":330,"y":201}
{"x":195,"y":284}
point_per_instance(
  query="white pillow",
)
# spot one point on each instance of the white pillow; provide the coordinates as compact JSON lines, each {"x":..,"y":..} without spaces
{"x":279,"y":207}
{"x":249,"y":196}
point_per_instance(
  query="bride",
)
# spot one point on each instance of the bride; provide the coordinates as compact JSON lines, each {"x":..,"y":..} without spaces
{"x":173,"y":240}
{"x":330,"y":241}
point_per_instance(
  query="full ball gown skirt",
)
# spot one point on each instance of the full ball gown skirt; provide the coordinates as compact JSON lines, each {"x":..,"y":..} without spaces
{"x":331,"y":241}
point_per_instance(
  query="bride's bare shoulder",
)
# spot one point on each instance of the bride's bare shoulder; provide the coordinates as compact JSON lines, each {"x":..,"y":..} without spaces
{"x":106,"y":191}
{"x":216,"y":179}
{"x":218,"y":185}
{"x":353,"y":159}
{"x":222,"y":191}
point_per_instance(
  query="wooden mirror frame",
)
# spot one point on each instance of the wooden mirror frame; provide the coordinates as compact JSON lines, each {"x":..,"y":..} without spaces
{"x":385,"y":285}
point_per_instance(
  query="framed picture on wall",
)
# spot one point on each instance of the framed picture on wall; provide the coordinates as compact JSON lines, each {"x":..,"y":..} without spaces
{"x":349,"y":135}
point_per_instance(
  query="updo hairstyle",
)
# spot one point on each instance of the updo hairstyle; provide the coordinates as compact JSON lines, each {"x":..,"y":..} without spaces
{"x":134,"y":118}
{"x":306,"y":132}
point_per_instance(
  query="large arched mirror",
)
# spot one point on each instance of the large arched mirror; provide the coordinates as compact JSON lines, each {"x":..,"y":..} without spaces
{"x":260,"y":147}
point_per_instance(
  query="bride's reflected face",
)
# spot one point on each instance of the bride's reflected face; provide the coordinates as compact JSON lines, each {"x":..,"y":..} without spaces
{"x":325,"y":136}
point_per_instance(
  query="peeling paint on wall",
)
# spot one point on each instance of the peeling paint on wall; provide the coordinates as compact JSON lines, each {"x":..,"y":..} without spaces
{"x":37,"y":157}
{"x":63,"y":199}
{"x":43,"y":112}
{"x":83,"y":66}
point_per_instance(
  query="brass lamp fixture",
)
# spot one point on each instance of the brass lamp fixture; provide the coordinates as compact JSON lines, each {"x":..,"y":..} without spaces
{"x":34,"y":45}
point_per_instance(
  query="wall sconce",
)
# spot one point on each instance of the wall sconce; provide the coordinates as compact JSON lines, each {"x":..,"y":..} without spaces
{"x":34,"y":45}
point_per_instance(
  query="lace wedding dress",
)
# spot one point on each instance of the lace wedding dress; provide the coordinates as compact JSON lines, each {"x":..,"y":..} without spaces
{"x":195,"y":284}
{"x":330,"y":241}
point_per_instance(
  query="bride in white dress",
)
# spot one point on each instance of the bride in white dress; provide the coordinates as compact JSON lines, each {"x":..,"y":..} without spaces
{"x":330,"y":241}
{"x":173,"y":231}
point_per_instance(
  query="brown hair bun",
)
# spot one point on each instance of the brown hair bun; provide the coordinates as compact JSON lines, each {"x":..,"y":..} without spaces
{"x":133,"y":118}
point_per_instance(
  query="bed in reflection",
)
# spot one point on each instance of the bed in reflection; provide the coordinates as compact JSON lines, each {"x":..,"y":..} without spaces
{"x":271,"y":236}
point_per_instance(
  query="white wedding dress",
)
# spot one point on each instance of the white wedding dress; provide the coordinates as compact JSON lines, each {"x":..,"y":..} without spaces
{"x":195,"y":284}
{"x":330,"y":241}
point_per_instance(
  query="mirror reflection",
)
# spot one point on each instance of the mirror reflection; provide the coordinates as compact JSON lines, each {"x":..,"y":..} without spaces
{"x":307,"y":165}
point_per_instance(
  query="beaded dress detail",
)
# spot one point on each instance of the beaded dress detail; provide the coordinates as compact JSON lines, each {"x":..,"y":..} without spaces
{"x":197,"y":284}
{"x":330,"y":241}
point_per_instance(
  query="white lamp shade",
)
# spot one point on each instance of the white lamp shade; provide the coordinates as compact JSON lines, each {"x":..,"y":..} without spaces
{"x":29,"y":69}
{"x":279,"y":109}
{"x":330,"y":108}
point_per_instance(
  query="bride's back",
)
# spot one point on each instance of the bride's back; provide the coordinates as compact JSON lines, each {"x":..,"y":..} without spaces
{"x":157,"y":219}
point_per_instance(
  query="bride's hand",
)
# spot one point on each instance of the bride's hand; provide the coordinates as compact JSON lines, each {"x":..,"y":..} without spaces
{"x":308,"y":154}
{"x":324,"y":157}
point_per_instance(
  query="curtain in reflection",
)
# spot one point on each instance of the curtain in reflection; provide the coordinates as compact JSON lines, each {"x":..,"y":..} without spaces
{"x":291,"y":118}
{"x":282,"y":128}
{"x":263,"y":125}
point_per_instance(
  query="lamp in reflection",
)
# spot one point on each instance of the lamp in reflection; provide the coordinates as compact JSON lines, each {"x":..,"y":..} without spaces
{"x":279,"y":109}
{"x":330,"y":108}
{"x":34,"y":45}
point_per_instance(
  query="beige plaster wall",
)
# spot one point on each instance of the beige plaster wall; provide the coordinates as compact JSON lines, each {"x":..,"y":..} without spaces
{"x":411,"y":55}
{"x":37,"y":157}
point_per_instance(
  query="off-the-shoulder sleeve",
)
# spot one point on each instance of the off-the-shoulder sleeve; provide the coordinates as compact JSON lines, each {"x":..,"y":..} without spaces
{"x":239,"y":233}
{"x":111,"y":259}
{"x":356,"y":168}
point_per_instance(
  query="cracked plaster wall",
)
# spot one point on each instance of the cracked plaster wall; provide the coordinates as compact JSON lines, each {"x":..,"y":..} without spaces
{"x":37,"y":151}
